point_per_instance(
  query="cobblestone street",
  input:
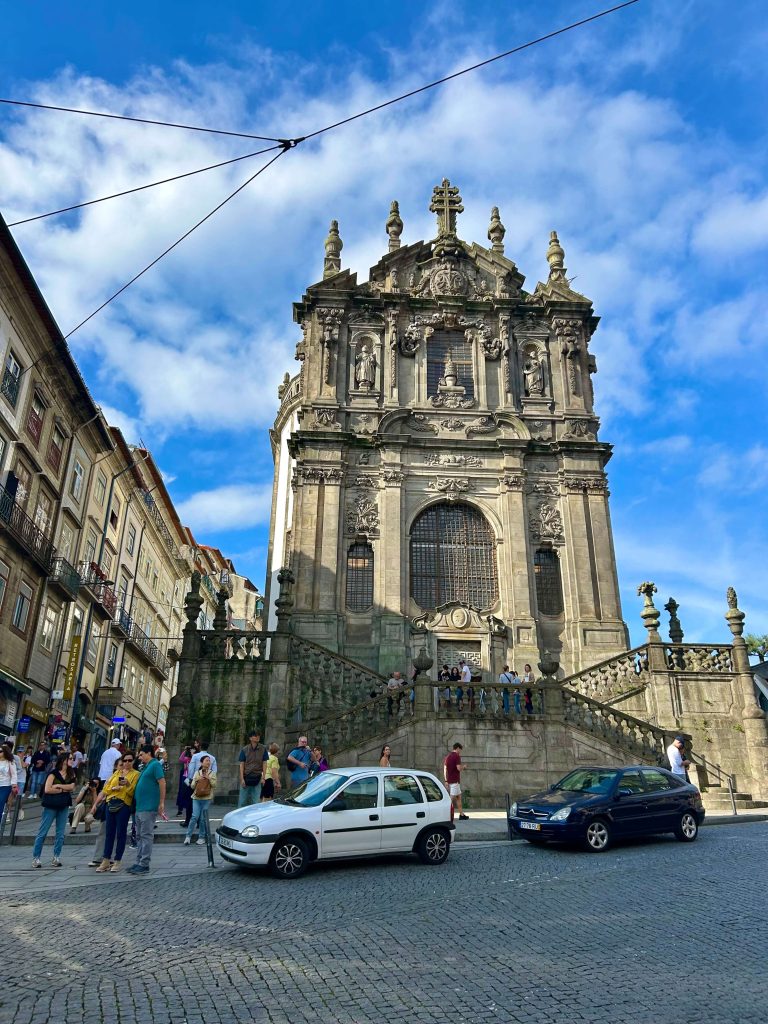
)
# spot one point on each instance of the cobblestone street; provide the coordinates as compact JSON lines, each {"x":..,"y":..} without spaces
{"x":653,"y":931}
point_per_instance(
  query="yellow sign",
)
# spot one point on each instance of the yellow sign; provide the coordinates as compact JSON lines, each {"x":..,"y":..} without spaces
{"x":35,"y":711}
{"x":71,"y":673}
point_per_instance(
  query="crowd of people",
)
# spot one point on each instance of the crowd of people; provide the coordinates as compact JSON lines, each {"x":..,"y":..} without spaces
{"x":457,"y":690}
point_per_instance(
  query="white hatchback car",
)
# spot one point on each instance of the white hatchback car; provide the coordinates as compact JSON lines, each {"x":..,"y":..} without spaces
{"x":345,"y":812}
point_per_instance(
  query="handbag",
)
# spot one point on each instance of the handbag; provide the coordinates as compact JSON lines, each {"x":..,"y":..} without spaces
{"x":115,"y":804}
{"x":100,"y":814}
{"x":56,"y":801}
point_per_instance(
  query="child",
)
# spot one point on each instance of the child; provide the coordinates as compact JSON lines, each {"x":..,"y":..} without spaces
{"x":271,"y":775}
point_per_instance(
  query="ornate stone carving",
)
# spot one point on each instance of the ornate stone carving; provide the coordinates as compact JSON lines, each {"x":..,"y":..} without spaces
{"x":394,"y":226}
{"x":329,"y":318}
{"x":366,"y":424}
{"x":546,"y":522}
{"x":365,"y":481}
{"x":392,"y":477}
{"x":533,"y":373}
{"x":483,"y":425}
{"x":452,"y":424}
{"x":439,"y":459}
{"x":496,"y":232}
{"x":543,"y":487}
{"x":650,"y":613}
{"x":409,"y":343}
{"x":504,"y":319}
{"x":454,"y":401}
{"x":451,"y":488}
{"x":675,"y":626}
{"x":576,"y":428}
{"x":576,"y":484}
{"x":392,"y":321}
{"x":318,"y":474}
{"x":333,"y":247}
{"x":419,"y":421}
{"x":540,"y":429}
{"x":447,"y":279}
{"x":365,"y":366}
{"x":282,"y":388}
{"x":511,"y":481}
{"x":446,"y":203}
{"x":363,"y":516}
{"x":326,"y":418}
{"x":568,"y":331}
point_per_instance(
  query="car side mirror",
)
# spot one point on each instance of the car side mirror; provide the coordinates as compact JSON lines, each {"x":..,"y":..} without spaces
{"x":623,"y":792}
{"x":553,"y":787}
{"x":339,"y":804}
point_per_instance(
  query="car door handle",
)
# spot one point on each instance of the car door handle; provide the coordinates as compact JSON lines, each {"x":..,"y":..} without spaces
{"x":373,"y":817}
{"x":421,"y":814}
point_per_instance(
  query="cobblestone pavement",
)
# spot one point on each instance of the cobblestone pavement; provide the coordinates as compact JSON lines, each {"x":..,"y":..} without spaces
{"x":655,"y":931}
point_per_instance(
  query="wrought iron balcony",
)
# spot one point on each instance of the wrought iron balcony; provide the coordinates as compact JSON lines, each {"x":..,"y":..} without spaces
{"x":96,"y":583}
{"x":24,"y":531}
{"x":10,"y":387}
{"x":141,"y":643}
{"x":66,"y":577}
{"x":122,"y":623}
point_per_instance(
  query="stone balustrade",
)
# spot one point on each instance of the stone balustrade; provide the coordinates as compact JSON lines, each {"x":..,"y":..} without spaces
{"x":696,"y":658}
{"x":324,"y":681}
{"x":612,"y":677}
{"x":646,"y":741}
{"x":234,"y":645}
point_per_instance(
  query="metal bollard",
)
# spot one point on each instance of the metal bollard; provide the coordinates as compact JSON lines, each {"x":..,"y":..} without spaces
{"x":14,"y":821}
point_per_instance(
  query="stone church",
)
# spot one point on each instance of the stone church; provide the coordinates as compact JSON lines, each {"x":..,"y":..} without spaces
{"x":439,"y":481}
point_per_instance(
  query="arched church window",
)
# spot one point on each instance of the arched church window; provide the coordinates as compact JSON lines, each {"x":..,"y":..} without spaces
{"x":549,"y":588}
{"x":453,"y":557}
{"x":359,"y":577}
{"x":449,"y":355}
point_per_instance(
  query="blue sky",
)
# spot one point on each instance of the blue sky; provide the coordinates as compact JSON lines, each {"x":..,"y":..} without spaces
{"x":640,"y":138}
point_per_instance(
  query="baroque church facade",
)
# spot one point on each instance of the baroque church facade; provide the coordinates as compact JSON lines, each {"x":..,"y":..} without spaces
{"x":439,"y":478}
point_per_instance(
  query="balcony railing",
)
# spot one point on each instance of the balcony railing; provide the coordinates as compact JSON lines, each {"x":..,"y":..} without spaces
{"x":23,"y":529}
{"x":10,"y":387}
{"x":110,"y":672}
{"x":154,"y":514}
{"x":66,"y":576}
{"x":92,"y":577}
{"x":122,"y":622}
{"x":140,"y":642}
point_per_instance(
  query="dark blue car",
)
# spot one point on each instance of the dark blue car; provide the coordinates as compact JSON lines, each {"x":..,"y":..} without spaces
{"x":592,"y":806}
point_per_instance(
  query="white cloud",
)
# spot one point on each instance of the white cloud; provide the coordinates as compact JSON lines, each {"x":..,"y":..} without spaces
{"x":225,"y":508}
{"x":737,"y":225}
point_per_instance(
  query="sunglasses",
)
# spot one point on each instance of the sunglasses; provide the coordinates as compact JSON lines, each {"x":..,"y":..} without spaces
{"x":127,"y":760}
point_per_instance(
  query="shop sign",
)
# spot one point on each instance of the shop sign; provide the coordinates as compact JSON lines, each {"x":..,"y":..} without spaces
{"x":72,"y":663}
{"x":35,"y":711}
{"x":24,"y":723}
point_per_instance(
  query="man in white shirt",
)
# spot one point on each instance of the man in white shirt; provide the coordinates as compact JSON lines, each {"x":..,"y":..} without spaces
{"x":395,"y":686}
{"x":466,"y":673}
{"x":108,"y":758}
{"x":677,"y":762}
{"x":194,"y":764}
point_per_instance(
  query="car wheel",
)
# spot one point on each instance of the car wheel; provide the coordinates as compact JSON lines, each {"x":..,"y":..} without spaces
{"x":289,"y":858}
{"x":433,"y":846}
{"x":688,"y":828}
{"x":597,"y":838}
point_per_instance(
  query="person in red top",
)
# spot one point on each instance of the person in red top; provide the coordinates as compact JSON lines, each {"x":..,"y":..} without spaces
{"x":452,"y":774}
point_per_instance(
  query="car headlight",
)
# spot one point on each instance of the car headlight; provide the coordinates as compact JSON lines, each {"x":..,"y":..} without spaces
{"x":250,"y":832}
{"x":513,"y":810}
{"x":561,"y":815}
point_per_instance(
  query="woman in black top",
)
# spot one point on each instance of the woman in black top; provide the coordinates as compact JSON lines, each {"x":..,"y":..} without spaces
{"x":56,"y":801}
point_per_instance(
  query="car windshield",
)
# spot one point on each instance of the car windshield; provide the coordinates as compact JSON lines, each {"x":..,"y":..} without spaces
{"x":588,"y":780}
{"x":316,"y":790}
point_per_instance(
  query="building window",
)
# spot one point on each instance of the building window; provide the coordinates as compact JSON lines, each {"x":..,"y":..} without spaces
{"x":359,"y":577}
{"x":112,"y":662}
{"x":35,"y":418}
{"x":122,"y":592}
{"x":3,"y":446}
{"x":449,"y":347}
{"x":21,"y":608}
{"x":106,"y":563}
{"x":453,"y":557}
{"x":93,"y":648}
{"x":56,"y":449}
{"x":131,"y":543}
{"x":76,"y":628}
{"x":100,"y":489}
{"x":114,"y":515}
{"x":24,"y":478}
{"x":43,"y":512}
{"x":90,"y":545}
{"x":49,"y":629}
{"x":549,"y":590}
{"x":76,"y":483}
{"x":9,"y":386}
{"x":155,"y":579}
{"x":66,"y":541}
{"x":5,"y":572}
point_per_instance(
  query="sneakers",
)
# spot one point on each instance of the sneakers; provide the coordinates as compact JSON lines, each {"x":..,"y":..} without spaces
{"x":201,"y":841}
{"x":137,"y":869}
{"x":56,"y":863}
{"x":36,"y":863}
{"x":463,"y":817}
{"x":133,"y":844}
{"x":187,"y":840}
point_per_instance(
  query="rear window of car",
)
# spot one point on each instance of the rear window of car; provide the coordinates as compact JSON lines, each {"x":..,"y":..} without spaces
{"x":431,"y":789}
{"x":401,"y":789}
{"x":656,"y":781}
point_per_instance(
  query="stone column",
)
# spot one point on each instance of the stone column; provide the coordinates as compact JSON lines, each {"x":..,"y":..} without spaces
{"x":180,"y":707}
{"x":752,"y":717}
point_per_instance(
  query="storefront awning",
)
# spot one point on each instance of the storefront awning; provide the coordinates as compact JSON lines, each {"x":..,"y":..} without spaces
{"x":17,"y":684}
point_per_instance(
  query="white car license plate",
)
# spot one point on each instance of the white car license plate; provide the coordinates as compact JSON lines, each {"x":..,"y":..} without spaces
{"x":226,"y":843}
{"x":531,"y":825}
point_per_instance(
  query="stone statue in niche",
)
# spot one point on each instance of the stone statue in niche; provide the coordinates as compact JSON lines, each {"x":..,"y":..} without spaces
{"x":365,"y":367}
{"x":533,"y":373}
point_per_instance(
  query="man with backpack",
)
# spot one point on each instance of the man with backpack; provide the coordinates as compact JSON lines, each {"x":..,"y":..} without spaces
{"x":251,"y":763}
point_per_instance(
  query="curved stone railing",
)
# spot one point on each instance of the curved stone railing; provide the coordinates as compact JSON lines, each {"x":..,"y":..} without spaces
{"x":349,"y":728}
{"x":699,"y":657}
{"x":647,"y":742}
{"x":612,"y":677}
{"x":234,"y":644}
{"x":324,"y":680}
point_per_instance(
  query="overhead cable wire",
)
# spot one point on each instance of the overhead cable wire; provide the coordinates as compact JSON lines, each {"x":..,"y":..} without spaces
{"x":466,"y":71}
{"x":137,"y":120}
{"x":139,"y":188}
{"x":283,"y":149}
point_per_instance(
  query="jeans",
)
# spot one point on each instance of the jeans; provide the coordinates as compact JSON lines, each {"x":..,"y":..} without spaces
{"x":199,"y":817}
{"x":145,"y":834}
{"x":51,"y":814}
{"x":117,"y":829}
{"x":5,"y":792}
{"x":518,"y":706}
{"x":249,"y":795}
{"x":36,"y":780}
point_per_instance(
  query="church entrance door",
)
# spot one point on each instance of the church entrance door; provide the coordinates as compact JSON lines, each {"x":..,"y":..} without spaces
{"x":450,"y":652}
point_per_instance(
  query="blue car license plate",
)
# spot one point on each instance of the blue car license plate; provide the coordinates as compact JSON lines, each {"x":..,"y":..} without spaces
{"x":531,"y":825}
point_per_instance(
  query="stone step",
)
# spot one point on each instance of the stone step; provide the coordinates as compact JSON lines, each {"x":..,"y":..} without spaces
{"x":722,"y":800}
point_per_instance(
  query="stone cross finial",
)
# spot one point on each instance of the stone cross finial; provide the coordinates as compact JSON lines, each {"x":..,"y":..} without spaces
{"x":193,"y":602}
{"x":734,"y":617}
{"x":394,"y":226}
{"x":555,"y":258}
{"x":333,"y":247}
{"x":675,"y":628}
{"x":496,"y":232}
{"x":650,"y":613}
{"x":446,"y":203}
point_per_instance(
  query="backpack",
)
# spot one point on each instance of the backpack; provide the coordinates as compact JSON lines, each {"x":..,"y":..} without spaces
{"x":203,"y":788}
